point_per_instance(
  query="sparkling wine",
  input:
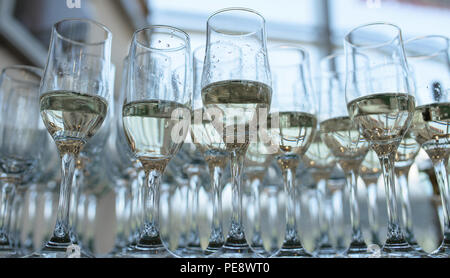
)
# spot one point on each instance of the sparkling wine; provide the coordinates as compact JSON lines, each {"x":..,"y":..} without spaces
{"x":148,"y":127}
{"x":383,"y":119}
{"x":238,"y":101}
{"x":294,"y":133}
{"x":345,"y":142}
{"x":431,"y":129}
{"x":72,"y":118}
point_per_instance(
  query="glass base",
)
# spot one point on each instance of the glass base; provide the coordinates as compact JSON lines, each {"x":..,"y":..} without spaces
{"x":6,"y":252}
{"x":192,"y":252}
{"x":212,"y":248}
{"x":325,"y":251}
{"x":69,"y":251}
{"x":400,"y":250}
{"x":260,"y":250}
{"x":442,"y":252}
{"x":359,"y":249}
{"x":151,"y":251}
{"x":296,"y":251}
{"x":235,"y":250}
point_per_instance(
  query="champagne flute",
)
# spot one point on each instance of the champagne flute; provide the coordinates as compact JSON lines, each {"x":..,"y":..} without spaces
{"x":20,"y":132}
{"x":156,"y":116}
{"x":429,"y":62}
{"x":379,"y":101}
{"x":292,"y":126}
{"x":370,"y":171}
{"x":341,"y":135}
{"x":232,"y":93}
{"x":74,"y":103}
{"x":210,"y":143}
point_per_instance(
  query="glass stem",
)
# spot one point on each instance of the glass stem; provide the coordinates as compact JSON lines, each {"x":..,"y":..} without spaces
{"x":372,"y":209}
{"x":406,"y":206}
{"x":18,"y":222}
{"x":256,"y":192}
{"x":216,"y":238}
{"x":61,"y":233}
{"x":338,"y":218}
{"x":442,"y":178}
{"x":288,"y":167}
{"x":321,"y":193}
{"x":194,"y":186}
{"x":236,"y":233}
{"x":121,"y":210}
{"x":75,"y":200}
{"x":7,"y":197}
{"x":357,"y":236}
{"x":150,"y":235}
{"x":395,"y":234}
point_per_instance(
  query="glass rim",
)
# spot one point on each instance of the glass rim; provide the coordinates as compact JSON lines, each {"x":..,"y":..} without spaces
{"x":185,"y":37}
{"x":376,"y":45}
{"x":23,"y":68}
{"x":86,"y":20}
{"x":230,"y":9}
{"x":433,"y":54}
{"x":290,"y":48}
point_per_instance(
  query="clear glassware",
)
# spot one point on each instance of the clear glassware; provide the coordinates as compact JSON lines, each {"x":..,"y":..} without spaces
{"x":156,"y":117}
{"x":235,"y":91}
{"x":370,"y":171}
{"x":74,"y":102}
{"x":429,"y":64}
{"x":381,"y":103}
{"x":336,"y":185}
{"x":344,"y":140}
{"x":20,"y":131}
{"x":210,"y":143}
{"x":292,"y":127}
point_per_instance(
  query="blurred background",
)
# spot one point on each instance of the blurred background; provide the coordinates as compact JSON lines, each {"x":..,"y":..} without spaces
{"x":318,"y":25}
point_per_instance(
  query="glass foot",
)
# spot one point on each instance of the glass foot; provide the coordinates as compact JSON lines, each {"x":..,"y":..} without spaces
{"x":229,"y":250}
{"x":10,"y":253}
{"x":157,"y":251}
{"x":292,"y":252}
{"x":70,"y":251}
{"x":325,"y":251}
{"x":400,"y":250}
{"x":192,"y":252}
{"x":442,"y":252}
{"x":358,"y":249}
{"x":260,"y":250}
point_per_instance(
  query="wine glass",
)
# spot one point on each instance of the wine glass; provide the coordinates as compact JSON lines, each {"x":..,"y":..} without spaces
{"x":370,"y":171}
{"x":342,"y":137}
{"x":156,"y":116}
{"x":232,"y":93}
{"x":428,"y":58}
{"x":20,"y":132}
{"x":210,"y":143}
{"x":74,"y":103}
{"x":380,"y":102}
{"x":292,"y":126}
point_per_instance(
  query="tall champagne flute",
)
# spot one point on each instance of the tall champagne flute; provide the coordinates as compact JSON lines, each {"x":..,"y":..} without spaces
{"x":379,"y":101}
{"x":370,"y":171}
{"x":74,"y":103}
{"x":428,"y":58}
{"x":156,"y":116}
{"x":341,"y":135}
{"x":20,"y":132}
{"x":210,"y":143}
{"x":292,"y":126}
{"x":232,"y":94}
